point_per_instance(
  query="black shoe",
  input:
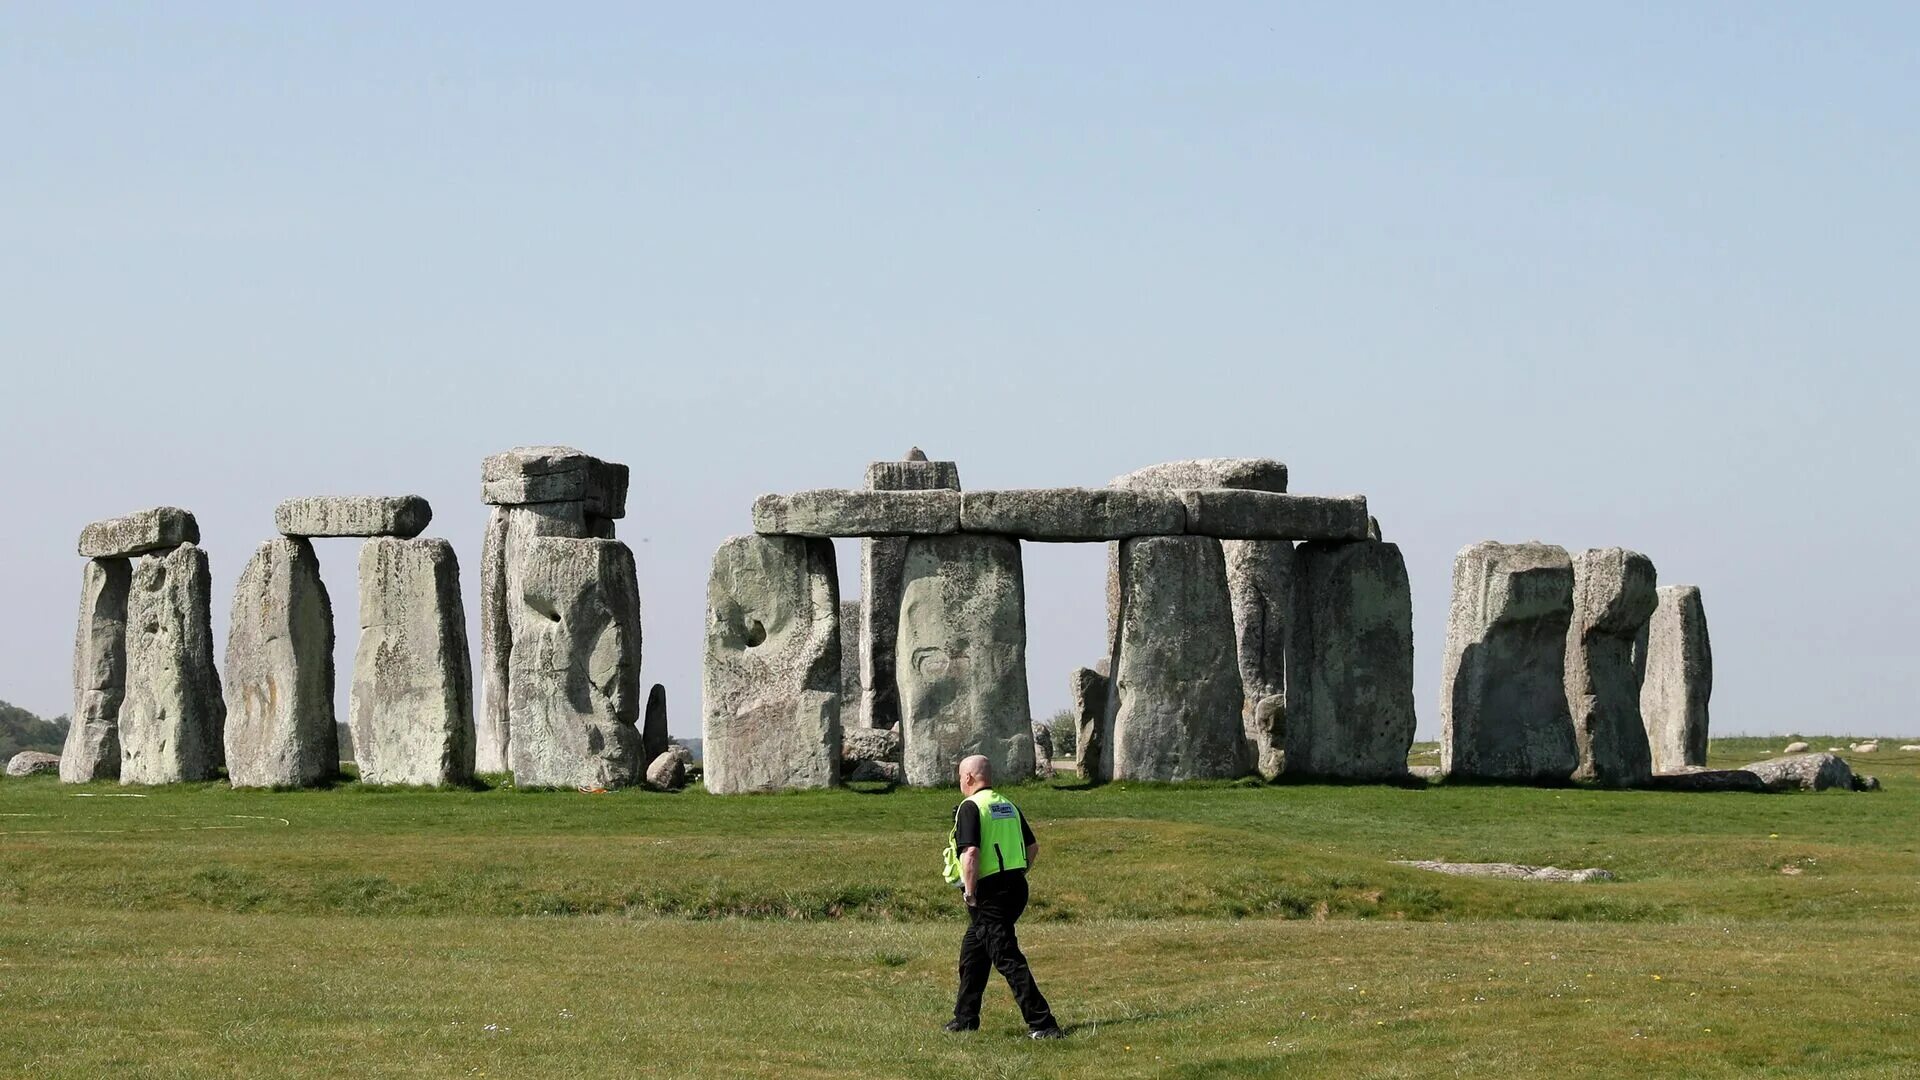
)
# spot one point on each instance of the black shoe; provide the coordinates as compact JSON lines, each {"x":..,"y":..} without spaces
{"x":956,"y":1025}
{"x":1047,"y":1033}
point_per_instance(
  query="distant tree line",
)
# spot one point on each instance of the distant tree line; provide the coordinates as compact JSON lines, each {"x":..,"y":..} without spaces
{"x":21,"y":730}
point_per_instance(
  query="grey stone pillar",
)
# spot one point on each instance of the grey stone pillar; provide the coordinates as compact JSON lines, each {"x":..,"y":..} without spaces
{"x":881,"y":559}
{"x":92,"y":750}
{"x":770,"y":714}
{"x":1089,"y":690}
{"x":653,"y":725}
{"x":280,"y":728}
{"x":574,"y":675}
{"x":1678,"y":683}
{"x":1174,"y":705}
{"x":1613,"y":597}
{"x":1349,"y":704}
{"x":411,"y":709}
{"x":1503,"y":699}
{"x":961,"y":658}
{"x":172,"y":718}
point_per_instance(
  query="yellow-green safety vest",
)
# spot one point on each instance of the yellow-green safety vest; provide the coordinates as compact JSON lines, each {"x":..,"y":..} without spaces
{"x":1002,"y":842}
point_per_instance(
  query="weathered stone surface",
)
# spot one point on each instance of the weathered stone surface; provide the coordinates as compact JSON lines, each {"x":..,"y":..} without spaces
{"x":850,"y":662}
{"x":411,"y":709}
{"x":1089,"y":690}
{"x":1174,"y":705}
{"x":1235,"y":514}
{"x":502,"y":558}
{"x":1796,"y":748}
{"x":881,"y":558}
{"x":831,"y":512}
{"x":1250,"y":474}
{"x":1503,"y":703}
{"x":1073,"y":514}
{"x":653,"y":726}
{"x":1678,"y":679}
{"x":160,"y":529}
{"x":31,"y":762}
{"x":1260,"y":586}
{"x":1509,"y":871}
{"x":280,"y":723}
{"x":771,"y":715}
{"x":555,"y":474}
{"x":1804,"y":772}
{"x":172,"y":717}
{"x":574,"y":672}
{"x":353,"y":515}
{"x":1349,"y":701}
{"x":1613,"y":596}
{"x":667,"y":772}
{"x":92,"y":748}
{"x":1042,"y":752}
{"x":871,"y":754}
{"x":961,"y":658}
{"x":1688,"y":779}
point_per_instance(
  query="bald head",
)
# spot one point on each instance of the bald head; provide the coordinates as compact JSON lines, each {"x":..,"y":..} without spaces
{"x":975,"y":774}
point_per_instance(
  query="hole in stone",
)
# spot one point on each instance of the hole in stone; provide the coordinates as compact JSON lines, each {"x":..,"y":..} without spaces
{"x":756,"y":633}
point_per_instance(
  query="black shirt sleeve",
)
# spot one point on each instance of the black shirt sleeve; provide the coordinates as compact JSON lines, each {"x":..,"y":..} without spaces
{"x":966,"y":827}
{"x":1026,"y":831}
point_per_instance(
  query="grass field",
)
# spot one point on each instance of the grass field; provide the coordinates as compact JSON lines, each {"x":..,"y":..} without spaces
{"x":1208,"y":930}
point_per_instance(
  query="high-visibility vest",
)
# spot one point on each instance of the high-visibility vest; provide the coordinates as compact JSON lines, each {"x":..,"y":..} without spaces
{"x":1003,"y":843}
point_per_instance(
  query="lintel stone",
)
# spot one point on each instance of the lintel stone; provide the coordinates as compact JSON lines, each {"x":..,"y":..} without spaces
{"x":834,"y":512}
{"x":161,"y":528}
{"x":1236,"y":514}
{"x":1073,"y":514}
{"x":404,"y":516}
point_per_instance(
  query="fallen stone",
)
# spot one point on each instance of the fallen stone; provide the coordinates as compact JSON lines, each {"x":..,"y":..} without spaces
{"x":555,"y":474}
{"x":1509,"y":871}
{"x":1349,"y":701}
{"x":667,"y":772}
{"x":411,"y":705}
{"x":1804,"y":772}
{"x":1796,"y":748}
{"x":1174,"y":705}
{"x":653,"y":726}
{"x":881,"y":558}
{"x":31,"y":762}
{"x":92,"y":748}
{"x":883,"y":772}
{"x":1613,"y":597}
{"x":961,"y":658}
{"x":1909,"y":747}
{"x":771,"y":709}
{"x":1234,"y":514}
{"x":831,"y":513}
{"x":1251,"y":474}
{"x":574,"y":675}
{"x":173,"y":715}
{"x":1424,"y":772}
{"x":1503,"y":704}
{"x":1260,"y":586}
{"x":1865,"y":747}
{"x":1678,"y":679}
{"x":1701,"y":779}
{"x":502,"y":562}
{"x":1089,"y":690}
{"x":1073,"y":514}
{"x":871,"y":754}
{"x":353,"y":515}
{"x":159,"y":529}
{"x":1863,"y":782}
{"x":280,"y":723}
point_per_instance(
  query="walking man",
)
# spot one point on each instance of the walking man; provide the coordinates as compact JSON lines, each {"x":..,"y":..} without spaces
{"x":989,"y":853}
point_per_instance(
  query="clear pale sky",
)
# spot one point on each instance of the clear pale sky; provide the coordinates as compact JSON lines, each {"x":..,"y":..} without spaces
{"x":1640,"y":276}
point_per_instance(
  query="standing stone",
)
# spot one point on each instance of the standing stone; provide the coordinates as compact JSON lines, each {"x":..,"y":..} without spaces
{"x":1678,"y":683}
{"x":1174,"y":708}
{"x":1042,"y":752}
{"x":849,"y":663}
{"x":1503,"y":703}
{"x":502,"y":557}
{"x":1349,"y":705}
{"x":172,"y":717}
{"x":411,"y":710}
{"x":92,"y":750}
{"x":574,"y":681}
{"x":881,"y":558}
{"x":653,"y":725}
{"x":1089,"y":689}
{"x":962,"y":658}
{"x":280,"y":725}
{"x":1613,"y":596}
{"x":771,"y":711}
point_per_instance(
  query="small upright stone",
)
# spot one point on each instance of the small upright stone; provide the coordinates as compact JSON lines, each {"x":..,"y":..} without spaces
{"x":1503,"y":702}
{"x":353,"y":515}
{"x":172,"y":717}
{"x":1678,"y":681}
{"x":411,"y":710}
{"x":653,"y":726}
{"x":92,"y":749}
{"x":162,"y":528}
{"x":1613,"y":596}
{"x":962,"y":658}
{"x":849,"y":663}
{"x":280,"y":725}
{"x":880,"y":561}
{"x":1042,"y":752}
{"x":1089,"y":687}
{"x":1349,"y":704}
{"x":771,"y":714}
{"x":575,"y":668}
{"x":1261,"y":577}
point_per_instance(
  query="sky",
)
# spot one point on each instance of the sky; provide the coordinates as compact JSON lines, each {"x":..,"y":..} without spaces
{"x":1638,"y":275}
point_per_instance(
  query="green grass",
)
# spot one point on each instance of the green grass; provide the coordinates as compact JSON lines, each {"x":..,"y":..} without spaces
{"x":1203,"y":930}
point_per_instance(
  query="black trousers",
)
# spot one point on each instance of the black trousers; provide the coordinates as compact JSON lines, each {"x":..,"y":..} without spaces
{"x":990,"y":943}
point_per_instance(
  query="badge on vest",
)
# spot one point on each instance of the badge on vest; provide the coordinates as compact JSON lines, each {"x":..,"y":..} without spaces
{"x":1001,"y":810}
